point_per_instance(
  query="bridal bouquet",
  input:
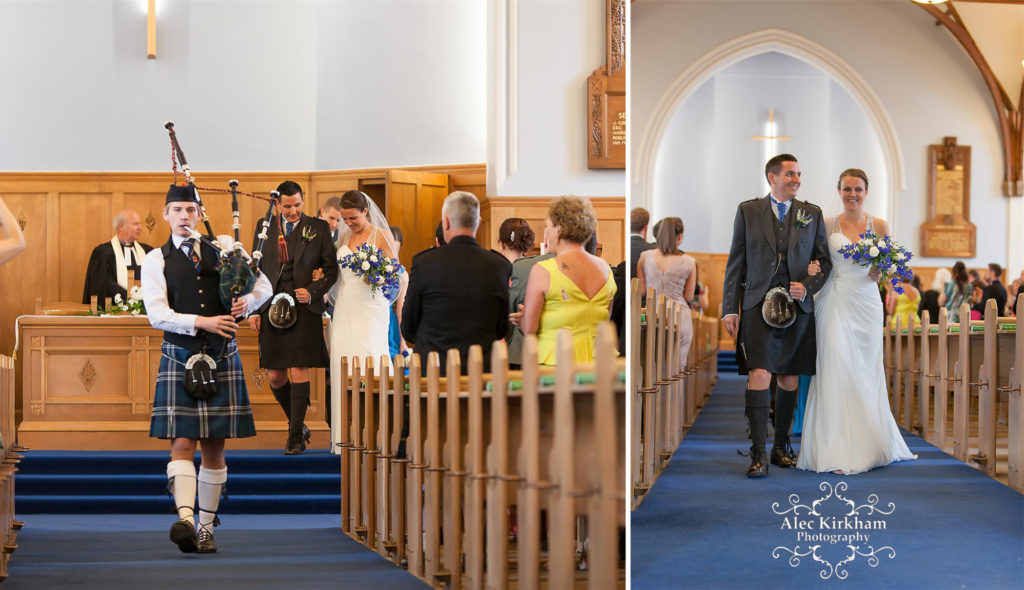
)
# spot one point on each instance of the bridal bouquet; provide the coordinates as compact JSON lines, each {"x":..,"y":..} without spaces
{"x":883,"y":253}
{"x":376,"y":269}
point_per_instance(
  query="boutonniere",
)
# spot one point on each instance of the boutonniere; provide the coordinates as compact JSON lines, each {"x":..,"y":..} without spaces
{"x":308,"y":233}
{"x":802,"y":218}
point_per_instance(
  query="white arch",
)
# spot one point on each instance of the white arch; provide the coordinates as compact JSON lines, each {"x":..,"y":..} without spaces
{"x":750,"y":45}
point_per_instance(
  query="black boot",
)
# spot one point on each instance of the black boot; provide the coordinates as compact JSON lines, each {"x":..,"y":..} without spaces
{"x":757,"y":417}
{"x":296,"y":427}
{"x":785,"y":409}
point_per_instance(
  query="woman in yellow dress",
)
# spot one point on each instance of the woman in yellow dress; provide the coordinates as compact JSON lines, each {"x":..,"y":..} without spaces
{"x":573,"y":290}
{"x":904,"y":304}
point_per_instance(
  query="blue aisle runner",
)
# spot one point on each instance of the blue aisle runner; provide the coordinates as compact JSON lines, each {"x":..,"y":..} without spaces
{"x":705,"y":525}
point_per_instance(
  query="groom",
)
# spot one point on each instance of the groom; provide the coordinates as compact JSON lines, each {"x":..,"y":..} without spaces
{"x":774,"y":239}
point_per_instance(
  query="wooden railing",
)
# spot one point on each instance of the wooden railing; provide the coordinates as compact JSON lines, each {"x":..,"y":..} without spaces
{"x":979,"y":364}
{"x":486,"y":455}
{"x":9,"y":459}
{"x":666,"y":391}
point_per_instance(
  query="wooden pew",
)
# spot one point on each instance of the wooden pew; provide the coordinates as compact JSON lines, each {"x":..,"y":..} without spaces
{"x":9,"y":459}
{"x":1015,"y":452}
{"x":994,"y":375}
{"x":667,"y":391}
{"x":538,"y":440}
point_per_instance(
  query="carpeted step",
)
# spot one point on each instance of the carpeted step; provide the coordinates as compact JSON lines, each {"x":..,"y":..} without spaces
{"x":95,"y":482}
{"x":156,"y":483}
{"x":156,"y":504}
{"x":727,"y":361}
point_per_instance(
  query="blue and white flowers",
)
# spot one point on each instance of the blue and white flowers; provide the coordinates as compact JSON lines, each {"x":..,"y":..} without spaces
{"x":378,"y":271}
{"x":883,"y":253}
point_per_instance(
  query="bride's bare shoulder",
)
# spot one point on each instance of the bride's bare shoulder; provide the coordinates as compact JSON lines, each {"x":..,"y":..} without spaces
{"x":881,"y":226}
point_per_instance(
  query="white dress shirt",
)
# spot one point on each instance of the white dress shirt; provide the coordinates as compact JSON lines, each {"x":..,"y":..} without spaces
{"x":154,"y":294}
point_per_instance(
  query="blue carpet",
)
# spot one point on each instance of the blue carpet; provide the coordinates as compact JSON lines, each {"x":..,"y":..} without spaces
{"x":705,"y":525}
{"x":97,"y":482}
{"x":255,"y":552}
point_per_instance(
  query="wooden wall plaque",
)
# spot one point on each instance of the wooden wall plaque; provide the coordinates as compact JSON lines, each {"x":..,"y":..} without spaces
{"x":948,"y":231}
{"x":606,"y":96}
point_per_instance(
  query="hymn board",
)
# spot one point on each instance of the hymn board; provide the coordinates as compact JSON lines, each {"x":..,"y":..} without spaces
{"x":606,"y":100}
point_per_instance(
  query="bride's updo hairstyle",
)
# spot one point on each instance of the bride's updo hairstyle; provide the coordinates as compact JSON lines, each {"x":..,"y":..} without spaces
{"x":670,"y":230}
{"x":355,"y":200}
{"x":854,"y":172}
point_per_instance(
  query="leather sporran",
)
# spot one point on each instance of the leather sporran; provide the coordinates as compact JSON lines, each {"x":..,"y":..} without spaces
{"x":779,"y":309}
{"x":201,"y":376}
{"x":282,"y":313}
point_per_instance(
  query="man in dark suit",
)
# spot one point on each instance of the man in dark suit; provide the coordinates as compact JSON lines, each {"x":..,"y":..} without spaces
{"x":774,"y":239}
{"x":639,"y":219}
{"x":458,"y":294}
{"x":290,"y":350}
{"x":994,"y":290}
{"x":110,"y":262}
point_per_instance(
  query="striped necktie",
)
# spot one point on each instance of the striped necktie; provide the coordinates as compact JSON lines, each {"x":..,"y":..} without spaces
{"x":190,"y":252}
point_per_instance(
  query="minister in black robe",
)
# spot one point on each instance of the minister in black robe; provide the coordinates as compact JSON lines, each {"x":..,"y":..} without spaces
{"x":107,"y":273}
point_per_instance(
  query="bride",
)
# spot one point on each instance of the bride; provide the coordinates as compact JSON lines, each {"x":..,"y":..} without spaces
{"x":848,"y":427}
{"x":359,"y":326}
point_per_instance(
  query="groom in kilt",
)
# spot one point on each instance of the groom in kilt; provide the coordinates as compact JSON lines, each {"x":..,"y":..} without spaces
{"x":774,"y":239}
{"x":180,"y":287}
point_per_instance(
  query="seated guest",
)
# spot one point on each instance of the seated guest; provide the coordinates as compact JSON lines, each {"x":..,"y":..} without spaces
{"x":458,"y":294}
{"x":574,"y":289}
{"x":515,"y":238}
{"x":331,"y":213}
{"x":977,"y":292}
{"x":12,"y":241}
{"x":107,"y":274}
{"x":699,"y":303}
{"x":994,"y":290}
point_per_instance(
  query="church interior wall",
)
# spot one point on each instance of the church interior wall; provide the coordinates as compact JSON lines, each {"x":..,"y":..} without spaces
{"x":273,"y":85}
{"x":538,"y":105}
{"x":925,"y":81}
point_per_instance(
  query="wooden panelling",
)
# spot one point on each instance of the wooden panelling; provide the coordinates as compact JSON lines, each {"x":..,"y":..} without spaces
{"x":611,"y":221}
{"x":68,"y":213}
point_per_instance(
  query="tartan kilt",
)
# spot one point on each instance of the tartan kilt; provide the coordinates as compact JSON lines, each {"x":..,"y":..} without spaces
{"x":176,"y":414}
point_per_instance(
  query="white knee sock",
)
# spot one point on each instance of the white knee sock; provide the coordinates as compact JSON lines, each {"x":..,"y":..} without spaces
{"x":211,"y":482}
{"x":181,"y":473}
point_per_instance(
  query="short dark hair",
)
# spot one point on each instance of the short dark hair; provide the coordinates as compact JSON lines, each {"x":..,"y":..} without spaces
{"x":994,"y":267}
{"x":656,"y":229}
{"x":774,"y":166}
{"x":397,"y":233}
{"x":439,"y":234}
{"x":290,"y":188}
{"x":638,"y":219}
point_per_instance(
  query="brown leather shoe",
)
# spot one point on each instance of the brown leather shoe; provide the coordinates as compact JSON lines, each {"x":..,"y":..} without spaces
{"x":758,"y":463}
{"x":783,"y":457}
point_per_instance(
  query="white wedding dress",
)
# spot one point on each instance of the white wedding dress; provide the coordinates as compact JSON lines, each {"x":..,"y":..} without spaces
{"x":848,"y":425}
{"x":359,"y":329}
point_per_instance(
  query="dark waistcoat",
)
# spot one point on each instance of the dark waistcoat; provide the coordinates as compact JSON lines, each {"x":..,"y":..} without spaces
{"x":188,"y":292}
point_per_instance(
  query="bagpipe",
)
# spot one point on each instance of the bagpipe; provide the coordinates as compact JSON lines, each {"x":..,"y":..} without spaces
{"x":238,"y":272}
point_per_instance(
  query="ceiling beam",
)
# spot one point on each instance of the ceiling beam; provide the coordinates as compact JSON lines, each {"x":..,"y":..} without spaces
{"x":1011,"y":131}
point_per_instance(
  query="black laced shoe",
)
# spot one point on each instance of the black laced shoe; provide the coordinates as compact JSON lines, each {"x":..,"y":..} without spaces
{"x":204,"y":541}
{"x":295,"y":445}
{"x":183,"y":534}
{"x":758,"y":462}
{"x":783,"y":455}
